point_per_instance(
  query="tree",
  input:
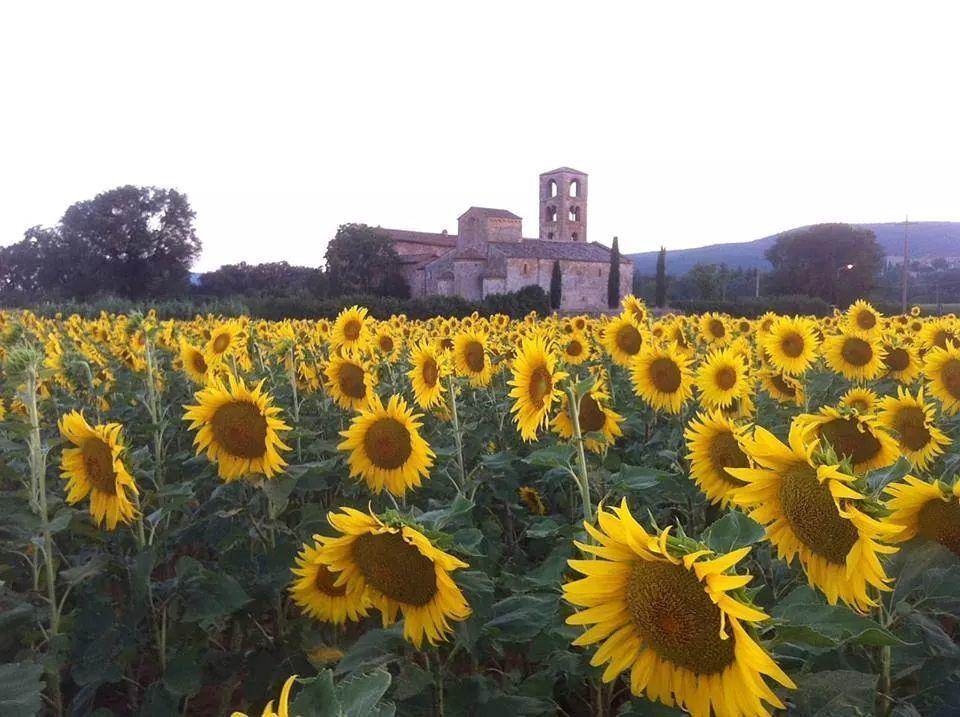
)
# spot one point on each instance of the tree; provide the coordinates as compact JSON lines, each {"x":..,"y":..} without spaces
{"x":836,"y":262}
{"x":362,"y":260}
{"x":705,"y":278}
{"x":270,"y":279}
{"x":661,"y":297}
{"x":613,"y":281}
{"x":556,"y":287}
{"x":635,"y":285}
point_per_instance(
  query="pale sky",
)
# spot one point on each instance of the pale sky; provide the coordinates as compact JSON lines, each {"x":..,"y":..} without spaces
{"x":698,"y":122}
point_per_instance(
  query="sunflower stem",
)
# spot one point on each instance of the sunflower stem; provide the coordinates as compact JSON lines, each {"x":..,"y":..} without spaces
{"x":292,"y":370}
{"x":573,"y":407}
{"x":457,"y":437}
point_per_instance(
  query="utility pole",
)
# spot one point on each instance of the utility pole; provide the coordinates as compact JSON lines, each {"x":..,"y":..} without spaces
{"x":906,"y":258}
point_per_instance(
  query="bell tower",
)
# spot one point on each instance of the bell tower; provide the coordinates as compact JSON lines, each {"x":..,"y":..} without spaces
{"x":563,"y":205}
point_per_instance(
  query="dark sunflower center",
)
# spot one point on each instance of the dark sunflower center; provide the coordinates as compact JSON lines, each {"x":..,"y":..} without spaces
{"x":781,"y":383}
{"x":221,"y":343}
{"x":717,"y":329}
{"x":848,"y":440}
{"x":199,"y":365}
{"x":897,"y":359}
{"x":911,"y":424}
{"x":446,"y":344}
{"x":387,"y":443}
{"x":941,"y":338}
{"x":856,"y":352}
{"x":629,"y":339}
{"x":541,"y":384}
{"x":950,"y":373}
{"x":386,"y":343}
{"x":860,"y":404}
{"x":396,"y":568}
{"x":813,"y":516}
{"x":98,"y":462}
{"x":351,"y":330}
{"x":792,"y":344}
{"x":725,"y":452}
{"x":866,"y":320}
{"x":675,"y":616}
{"x":726,"y":378}
{"x":665,"y":375}
{"x":744,"y":327}
{"x":473,"y":356}
{"x":430,"y":373}
{"x":592,"y":417}
{"x":574,"y":348}
{"x":350,"y":377}
{"x":241,"y":429}
{"x":940,"y":521}
{"x":325,"y":582}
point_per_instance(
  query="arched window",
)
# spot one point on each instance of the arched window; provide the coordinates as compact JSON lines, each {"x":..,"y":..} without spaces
{"x":574,"y":215}
{"x":574,"y":187}
{"x":551,"y":214}
{"x":552,"y":188}
{"x":549,"y":235}
{"x":600,"y":271}
{"x":575,"y":236}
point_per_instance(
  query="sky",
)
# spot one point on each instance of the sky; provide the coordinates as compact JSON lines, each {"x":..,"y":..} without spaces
{"x":698,"y":122}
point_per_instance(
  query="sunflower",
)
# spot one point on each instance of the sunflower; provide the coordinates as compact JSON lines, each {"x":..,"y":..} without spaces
{"x":224,"y":341}
{"x":94,"y":467}
{"x":791,"y":344}
{"x":810,"y":508}
{"x":470,"y":357}
{"x":863,"y":320}
{"x":349,"y":380}
{"x":427,"y":371}
{"x":939,"y":333}
{"x":535,"y":385}
{"x":399,"y":570}
{"x":721,"y":378}
{"x":636,"y":308}
{"x":855,"y":357}
{"x":283,"y":705}
{"x":351,"y":330}
{"x":911,"y":418}
{"x":238,"y":428}
{"x":942,"y":369}
{"x":599,"y":424}
{"x":531,"y":498}
{"x":623,"y":339}
{"x":314,"y":590}
{"x":576,"y":348}
{"x":662,"y":378}
{"x":713,"y":329}
{"x":386,"y":448}
{"x":930,"y":510}
{"x":386,"y":343}
{"x":673,"y":620}
{"x":783,"y":388}
{"x":861,"y":400}
{"x":716,"y":443}
{"x":195,"y":364}
{"x":902,"y":363}
{"x":859,"y":438}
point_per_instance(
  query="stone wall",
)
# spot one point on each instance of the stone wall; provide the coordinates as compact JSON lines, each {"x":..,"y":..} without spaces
{"x":468,"y":278}
{"x":583,"y":283}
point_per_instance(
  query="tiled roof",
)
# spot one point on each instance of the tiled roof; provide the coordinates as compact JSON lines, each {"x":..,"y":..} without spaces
{"x":488,"y":212}
{"x":565,"y":250}
{"x":568,"y":170}
{"x":436,"y":239}
{"x":416,"y":258}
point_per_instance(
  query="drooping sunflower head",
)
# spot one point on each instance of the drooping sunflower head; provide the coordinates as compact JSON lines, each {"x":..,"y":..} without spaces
{"x":599,"y":424}
{"x":861,"y":400}
{"x":532,"y":499}
{"x":672,"y":618}
{"x":385,"y":446}
{"x":239,"y":428}
{"x":939,"y":333}
{"x":713,"y":329}
{"x":812,"y":509}
{"x":941,"y":366}
{"x":858,"y":357}
{"x":399,"y":570}
{"x":857,"y":437}
{"x":428,"y":368}
{"x":470,"y":356}
{"x":535,"y":385}
{"x":623,"y":339}
{"x":315,"y":591}
{"x":661,"y":376}
{"x":351,"y":329}
{"x":722,"y":378}
{"x":911,"y":419}
{"x":716,"y":443}
{"x":791,"y":344}
{"x":928,"y":510}
{"x":94,"y":467}
{"x":350,"y":380}
{"x":863,"y":320}
{"x":636,"y":308}
{"x":195,"y":363}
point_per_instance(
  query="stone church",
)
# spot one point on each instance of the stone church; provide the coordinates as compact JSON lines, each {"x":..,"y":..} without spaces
{"x":489,"y":254}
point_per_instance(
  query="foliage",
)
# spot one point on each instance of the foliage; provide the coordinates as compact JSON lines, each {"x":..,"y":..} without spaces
{"x":613,"y":279}
{"x":361,"y":260}
{"x":752,"y":308}
{"x":661,"y":290}
{"x":270,"y":279}
{"x":556,"y":286}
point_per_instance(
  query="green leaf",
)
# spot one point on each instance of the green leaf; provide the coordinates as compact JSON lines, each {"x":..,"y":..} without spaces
{"x":278,"y":492}
{"x":541,"y":527}
{"x":20,"y":689}
{"x":638,"y":477}
{"x":92,"y":567}
{"x":807,"y":619}
{"x":207,"y":595}
{"x":316,"y":697}
{"x":834,"y":693}
{"x":733,"y":531}
{"x":556,"y":456}
{"x":521,"y":617}
{"x":360,"y":694}
{"x":372,"y":649}
{"x":183,"y":674}
{"x":877,"y":480}
{"x":437,"y":519}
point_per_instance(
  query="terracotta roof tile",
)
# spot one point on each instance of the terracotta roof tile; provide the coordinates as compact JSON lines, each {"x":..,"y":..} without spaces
{"x":434,"y":238}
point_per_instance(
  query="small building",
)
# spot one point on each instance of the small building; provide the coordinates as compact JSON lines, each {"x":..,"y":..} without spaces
{"x":489,"y":254}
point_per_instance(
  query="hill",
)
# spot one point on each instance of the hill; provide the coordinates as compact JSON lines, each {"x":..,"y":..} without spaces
{"x":927,"y":240}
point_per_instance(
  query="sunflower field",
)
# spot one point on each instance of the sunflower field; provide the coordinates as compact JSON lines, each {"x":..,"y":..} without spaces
{"x":621,"y":515}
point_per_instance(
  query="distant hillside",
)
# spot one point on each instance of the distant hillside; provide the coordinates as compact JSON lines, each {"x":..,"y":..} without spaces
{"x":927,"y":239}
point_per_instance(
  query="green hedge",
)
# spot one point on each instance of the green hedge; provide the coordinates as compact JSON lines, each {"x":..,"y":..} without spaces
{"x":752,"y":308}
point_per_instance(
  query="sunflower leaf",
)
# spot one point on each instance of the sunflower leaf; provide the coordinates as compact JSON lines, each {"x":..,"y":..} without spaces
{"x":733,"y":531}
{"x":877,"y":480}
{"x":20,"y":688}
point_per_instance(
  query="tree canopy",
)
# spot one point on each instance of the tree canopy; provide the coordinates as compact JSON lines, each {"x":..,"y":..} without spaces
{"x":276,"y":278}
{"x":361,"y":259}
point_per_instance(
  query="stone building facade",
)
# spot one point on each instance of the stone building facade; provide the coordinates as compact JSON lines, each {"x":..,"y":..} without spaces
{"x":489,"y":255}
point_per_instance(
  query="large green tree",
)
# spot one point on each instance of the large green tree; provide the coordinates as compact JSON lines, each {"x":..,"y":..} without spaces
{"x":361,"y":259}
{"x":270,"y":279}
{"x":836,"y":262}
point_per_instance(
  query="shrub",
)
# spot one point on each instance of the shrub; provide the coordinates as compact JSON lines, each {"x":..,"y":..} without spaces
{"x":752,"y":308}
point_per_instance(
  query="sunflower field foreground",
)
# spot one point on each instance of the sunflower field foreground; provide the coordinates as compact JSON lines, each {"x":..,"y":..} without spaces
{"x":618,"y":515}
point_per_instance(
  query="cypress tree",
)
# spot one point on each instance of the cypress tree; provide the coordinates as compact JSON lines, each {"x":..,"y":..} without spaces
{"x":613,"y":281}
{"x":556,"y":288}
{"x":661,"y":299}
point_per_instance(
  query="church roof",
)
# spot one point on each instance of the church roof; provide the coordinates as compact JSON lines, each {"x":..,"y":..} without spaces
{"x":564,"y":170}
{"x":564,"y":250}
{"x":489,"y":212}
{"x":433,"y":238}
